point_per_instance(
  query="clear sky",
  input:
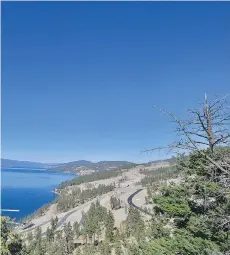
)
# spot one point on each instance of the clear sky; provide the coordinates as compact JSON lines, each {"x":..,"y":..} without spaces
{"x":79,"y":79}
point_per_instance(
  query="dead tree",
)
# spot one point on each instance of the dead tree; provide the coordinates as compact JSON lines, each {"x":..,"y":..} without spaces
{"x":207,"y":127}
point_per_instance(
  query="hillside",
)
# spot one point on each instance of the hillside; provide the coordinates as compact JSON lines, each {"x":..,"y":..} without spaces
{"x":156,"y":162}
{"x":73,"y":167}
{"x":82,"y":165}
{"x":78,"y":167}
{"x":8,"y":163}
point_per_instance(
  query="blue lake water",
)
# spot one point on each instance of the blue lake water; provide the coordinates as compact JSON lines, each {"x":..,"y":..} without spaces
{"x":28,"y":189}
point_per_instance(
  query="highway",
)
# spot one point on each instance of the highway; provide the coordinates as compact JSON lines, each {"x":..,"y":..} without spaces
{"x":64,"y":218}
{"x":59,"y":224}
{"x":81,"y":207}
{"x":130,"y":202}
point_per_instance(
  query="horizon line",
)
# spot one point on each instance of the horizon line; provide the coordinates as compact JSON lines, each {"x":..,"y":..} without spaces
{"x":65,"y":162}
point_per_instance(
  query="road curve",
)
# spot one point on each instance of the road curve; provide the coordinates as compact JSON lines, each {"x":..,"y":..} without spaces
{"x":64,"y":218}
{"x":130,"y":202}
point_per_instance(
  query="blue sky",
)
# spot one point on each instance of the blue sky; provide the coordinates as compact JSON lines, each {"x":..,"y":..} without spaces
{"x":79,"y":79}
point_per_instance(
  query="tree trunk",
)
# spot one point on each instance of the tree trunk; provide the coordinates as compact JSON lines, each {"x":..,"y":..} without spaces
{"x":208,"y":117}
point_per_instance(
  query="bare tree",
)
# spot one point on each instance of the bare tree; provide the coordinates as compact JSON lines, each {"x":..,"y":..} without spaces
{"x":207,"y":127}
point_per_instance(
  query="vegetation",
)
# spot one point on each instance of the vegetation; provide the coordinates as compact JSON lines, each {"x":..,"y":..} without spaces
{"x":134,"y":225}
{"x":73,"y":197}
{"x":79,"y":165}
{"x":91,"y":177}
{"x":11,"y":243}
{"x":159,"y":175}
{"x":190,"y":218}
{"x":115,"y":203}
{"x":73,"y":167}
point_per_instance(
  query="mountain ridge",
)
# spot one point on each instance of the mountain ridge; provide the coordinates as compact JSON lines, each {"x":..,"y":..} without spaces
{"x":72,"y":167}
{"x":76,"y":167}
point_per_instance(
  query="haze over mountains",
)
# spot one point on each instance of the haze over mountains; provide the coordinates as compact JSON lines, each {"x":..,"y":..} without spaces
{"x":73,"y":167}
{"x":8,"y":163}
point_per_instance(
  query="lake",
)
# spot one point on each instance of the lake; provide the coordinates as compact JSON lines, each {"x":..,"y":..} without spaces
{"x":28,"y":189}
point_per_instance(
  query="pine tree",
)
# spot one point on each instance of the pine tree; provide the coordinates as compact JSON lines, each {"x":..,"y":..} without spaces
{"x":54,"y":222}
{"x":76,"y":228}
{"x":38,"y":234}
{"x":49,"y":234}
{"x":115,"y":203}
{"x":134,"y":223}
{"x":68,"y":237}
{"x":109,"y":225}
{"x":39,"y":245}
{"x":105,"y":249}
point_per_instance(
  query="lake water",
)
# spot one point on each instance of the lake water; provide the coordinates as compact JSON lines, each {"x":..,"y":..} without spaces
{"x":28,"y":189}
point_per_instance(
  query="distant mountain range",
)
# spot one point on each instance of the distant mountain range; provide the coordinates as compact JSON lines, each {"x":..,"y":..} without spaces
{"x":73,"y":167}
{"x":8,"y":163}
{"x":82,"y":165}
{"x":76,"y":166}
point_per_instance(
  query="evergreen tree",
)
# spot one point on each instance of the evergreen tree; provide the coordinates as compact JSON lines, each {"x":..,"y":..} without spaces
{"x":54,"y":222}
{"x":11,"y":243}
{"x":105,"y":249}
{"x":49,"y":235}
{"x":109,"y":225}
{"x":115,"y":203}
{"x":76,"y":228}
{"x":68,"y":237}
{"x":39,"y":243}
{"x":134,"y":223}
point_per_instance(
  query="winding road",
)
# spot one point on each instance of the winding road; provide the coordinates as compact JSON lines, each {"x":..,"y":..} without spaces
{"x":64,"y":218}
{"x":130,"y":202}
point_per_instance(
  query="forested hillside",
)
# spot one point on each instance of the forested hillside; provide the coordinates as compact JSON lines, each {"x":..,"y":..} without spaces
{"x":76,"y":166}
{"x":190,"y":218}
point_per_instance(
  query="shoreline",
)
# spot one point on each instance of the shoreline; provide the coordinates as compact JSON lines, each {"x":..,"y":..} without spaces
{"x":123,"y":191}
{"x":55,"y":192}
{"x":32,"y":198}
